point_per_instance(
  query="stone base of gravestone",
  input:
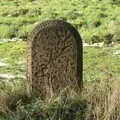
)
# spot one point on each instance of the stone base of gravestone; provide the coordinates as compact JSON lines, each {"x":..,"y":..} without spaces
{"x":55,"y":59}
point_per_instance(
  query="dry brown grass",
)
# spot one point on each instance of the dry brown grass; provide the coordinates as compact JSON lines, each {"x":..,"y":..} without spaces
{"x":102,"y":99}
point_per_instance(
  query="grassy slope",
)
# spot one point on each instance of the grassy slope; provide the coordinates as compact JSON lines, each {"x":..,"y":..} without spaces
{"x":91,"y":18}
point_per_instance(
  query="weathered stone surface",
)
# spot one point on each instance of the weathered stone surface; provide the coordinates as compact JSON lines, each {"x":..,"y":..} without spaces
{"x":55,"y":59}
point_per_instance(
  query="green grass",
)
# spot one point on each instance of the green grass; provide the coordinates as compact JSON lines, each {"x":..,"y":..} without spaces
{"x":96,"y":21}
{"x":97,"y":61}
{"x":100,"y":66}
{"x":89,"y":17}
{"x":94,"y":67}
{"x":13,"y":52}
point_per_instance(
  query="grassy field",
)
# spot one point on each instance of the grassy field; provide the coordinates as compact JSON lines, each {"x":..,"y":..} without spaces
{"x":101,"y":79}
{"x":96,"y":21}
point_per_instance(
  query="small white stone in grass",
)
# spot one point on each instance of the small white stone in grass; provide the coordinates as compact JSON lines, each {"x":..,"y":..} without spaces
{"x":16,"y":39}
{"x":9,"y":15}
{"x":117,"y":52}
{"x":10,"y":40}
{"x":6,"y":76}
{"x":86,"y":44}
{"x":101,"y":44}
{"x":3,"y":64}
{"x":98,"y":44}
{"x":9,"y":76}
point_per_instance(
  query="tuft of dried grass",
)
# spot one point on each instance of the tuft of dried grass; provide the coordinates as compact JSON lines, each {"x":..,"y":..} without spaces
{"x":104,"y":100}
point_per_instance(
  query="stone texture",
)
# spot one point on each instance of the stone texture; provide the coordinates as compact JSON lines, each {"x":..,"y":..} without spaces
{"x":55,"y":58}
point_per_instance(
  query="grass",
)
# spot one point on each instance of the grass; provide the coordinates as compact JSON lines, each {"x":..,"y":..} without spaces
{"x":101,"y":82}
{"x":96,"y":21}
{"x":21,"y":16}
{"x":98,"y":102}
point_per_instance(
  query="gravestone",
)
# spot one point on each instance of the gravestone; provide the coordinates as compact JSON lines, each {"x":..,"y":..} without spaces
{"x":55,"y":58}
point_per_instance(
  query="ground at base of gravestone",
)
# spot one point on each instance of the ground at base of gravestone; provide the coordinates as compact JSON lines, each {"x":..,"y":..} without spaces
{"x":100,"y":98}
